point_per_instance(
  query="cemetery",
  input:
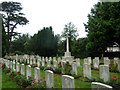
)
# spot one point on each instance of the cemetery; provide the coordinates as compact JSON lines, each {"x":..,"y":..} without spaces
{"x":53,"y":61}
{"x":62,"y":74}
